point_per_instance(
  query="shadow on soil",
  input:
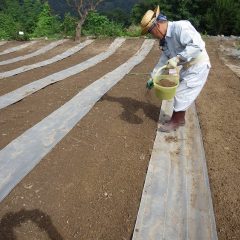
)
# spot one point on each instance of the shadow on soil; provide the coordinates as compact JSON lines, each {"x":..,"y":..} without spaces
{"x":12,"y":220}
{"x":131,"y":106}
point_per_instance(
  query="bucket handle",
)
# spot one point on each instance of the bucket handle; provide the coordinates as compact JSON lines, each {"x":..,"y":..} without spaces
{"x":160,"y":69}
{"x":163,"y":67}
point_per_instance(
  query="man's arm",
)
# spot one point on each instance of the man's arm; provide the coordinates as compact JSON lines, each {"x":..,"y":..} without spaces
{"x":191,"y":40}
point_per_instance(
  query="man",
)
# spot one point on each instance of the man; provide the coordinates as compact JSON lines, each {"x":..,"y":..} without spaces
{"x":181,"y":45}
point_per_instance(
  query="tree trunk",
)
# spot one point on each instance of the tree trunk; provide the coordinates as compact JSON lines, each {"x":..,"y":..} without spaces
{"x":78,"y":31}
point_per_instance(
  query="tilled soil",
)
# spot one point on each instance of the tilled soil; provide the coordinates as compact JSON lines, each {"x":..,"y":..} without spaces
{"x":218,"y":110}
{"x":9,"y":44}
{"x":22,"y":52}
{"x":90,"y":185}
{"x":52,"y":53}
{"x":11,"y":83}
{"x":19,"y":117}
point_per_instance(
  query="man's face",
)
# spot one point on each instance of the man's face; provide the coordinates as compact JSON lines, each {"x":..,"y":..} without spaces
{"x":156,"y":31}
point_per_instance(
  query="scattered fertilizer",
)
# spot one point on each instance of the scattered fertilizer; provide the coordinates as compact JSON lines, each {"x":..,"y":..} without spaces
{"x":167,"y":83}
{"x":170,"y":139}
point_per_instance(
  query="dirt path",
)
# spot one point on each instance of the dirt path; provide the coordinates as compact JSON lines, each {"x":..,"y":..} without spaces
{"x":218,"y":108}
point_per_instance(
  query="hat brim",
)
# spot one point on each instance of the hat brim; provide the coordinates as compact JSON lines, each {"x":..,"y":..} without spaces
{"x":155,"y":15}
{"x":145,"y":29}
{"x":157,"y":11}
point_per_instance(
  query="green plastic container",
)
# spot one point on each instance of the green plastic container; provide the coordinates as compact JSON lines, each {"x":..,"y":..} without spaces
{"x":165,"y":93}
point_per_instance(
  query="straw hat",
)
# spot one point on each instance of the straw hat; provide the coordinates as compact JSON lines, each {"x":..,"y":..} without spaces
{"x":148,"y":19}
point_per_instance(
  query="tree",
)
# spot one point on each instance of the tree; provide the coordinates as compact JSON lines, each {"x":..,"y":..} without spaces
{"x":8,"y":27}
{"x":9,"y":19}
{"x":69,"y":25}
{"x":119,"y":16}
{"x":223,"y":17}
{"x":140,"y":8}
{"x":30,"y":11}
{"x":82,"y":7}
{"x":12,"y":7}
{"x":100,"y":25}
{"x":47,"y":24}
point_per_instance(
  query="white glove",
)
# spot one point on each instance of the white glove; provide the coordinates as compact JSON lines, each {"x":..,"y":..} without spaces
{"x":173,"y":62}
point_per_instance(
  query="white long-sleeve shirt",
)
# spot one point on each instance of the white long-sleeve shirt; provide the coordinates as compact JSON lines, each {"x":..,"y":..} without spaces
{"x":181,"y":39}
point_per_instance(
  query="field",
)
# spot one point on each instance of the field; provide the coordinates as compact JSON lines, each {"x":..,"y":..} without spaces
{"x":88,"y":173}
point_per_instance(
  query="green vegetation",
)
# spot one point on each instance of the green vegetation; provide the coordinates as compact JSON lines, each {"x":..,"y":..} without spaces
{"x":47,"y":24}
{"x":99,"y":25}
{"x":15,"y":17}
{"x":69,"y":24}
{"x":8,"y":28}
{"x":38,"y":18}
{"x":208,"y":16}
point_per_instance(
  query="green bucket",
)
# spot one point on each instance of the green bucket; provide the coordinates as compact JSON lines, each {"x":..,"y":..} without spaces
{"x":166,"y":93}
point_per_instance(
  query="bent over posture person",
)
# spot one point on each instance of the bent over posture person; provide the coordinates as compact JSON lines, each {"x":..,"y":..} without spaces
{"x":181,"y":45}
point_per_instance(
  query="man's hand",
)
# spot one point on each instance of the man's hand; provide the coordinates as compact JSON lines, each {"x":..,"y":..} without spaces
{"x":173,"y":62}
{"x":150,"y":84}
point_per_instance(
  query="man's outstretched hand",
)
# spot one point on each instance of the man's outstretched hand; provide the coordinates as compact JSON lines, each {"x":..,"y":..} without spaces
{"x":173,"y":62}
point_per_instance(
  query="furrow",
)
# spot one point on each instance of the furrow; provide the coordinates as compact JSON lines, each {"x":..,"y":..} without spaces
{"x":57,"y":58}
{"x":22,"y":154}
{"x":17,"y":48}
{"x":26,"y":90}
{"x":33,"y":54}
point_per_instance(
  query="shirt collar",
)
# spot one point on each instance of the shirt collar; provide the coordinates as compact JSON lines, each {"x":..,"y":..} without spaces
{"x":169,"y":29}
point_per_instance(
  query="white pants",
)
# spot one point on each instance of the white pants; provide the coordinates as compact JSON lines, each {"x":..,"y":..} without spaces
{"x":191,"y":83}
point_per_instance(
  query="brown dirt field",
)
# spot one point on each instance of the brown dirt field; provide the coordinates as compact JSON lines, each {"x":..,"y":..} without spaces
{"x":9,"y":44}
{"x":230,"y":44}
{"x":24,"y":51}
{"x":11,"y":83}
{"x":90,"y":185}
{"x":52,"y":53}
{"x":218,"y":110}
{"x":17,"y":118}
{"x":96,"y":196}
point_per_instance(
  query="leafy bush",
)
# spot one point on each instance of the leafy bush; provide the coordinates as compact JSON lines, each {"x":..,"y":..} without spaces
{"x":119,"y":16}
{"x":48,"y":24}
{"x":133,"y":31}
{"x":236,"y":27}
{"x":29,"y":13}
{"x":222,"y":17}
{"x":18,"y":16}
{"x":8,"y":27}
{"x":142,"y":6}
{"x":24,"y":37}
{"x":69,"y":25}
{"x":99,"y":25}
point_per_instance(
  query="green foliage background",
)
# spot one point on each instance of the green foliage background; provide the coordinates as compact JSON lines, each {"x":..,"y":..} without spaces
{"x":99,"y":25}
{"x":54,"y":19}
{"x":47,"y":24}
{"x":208,"y":16}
